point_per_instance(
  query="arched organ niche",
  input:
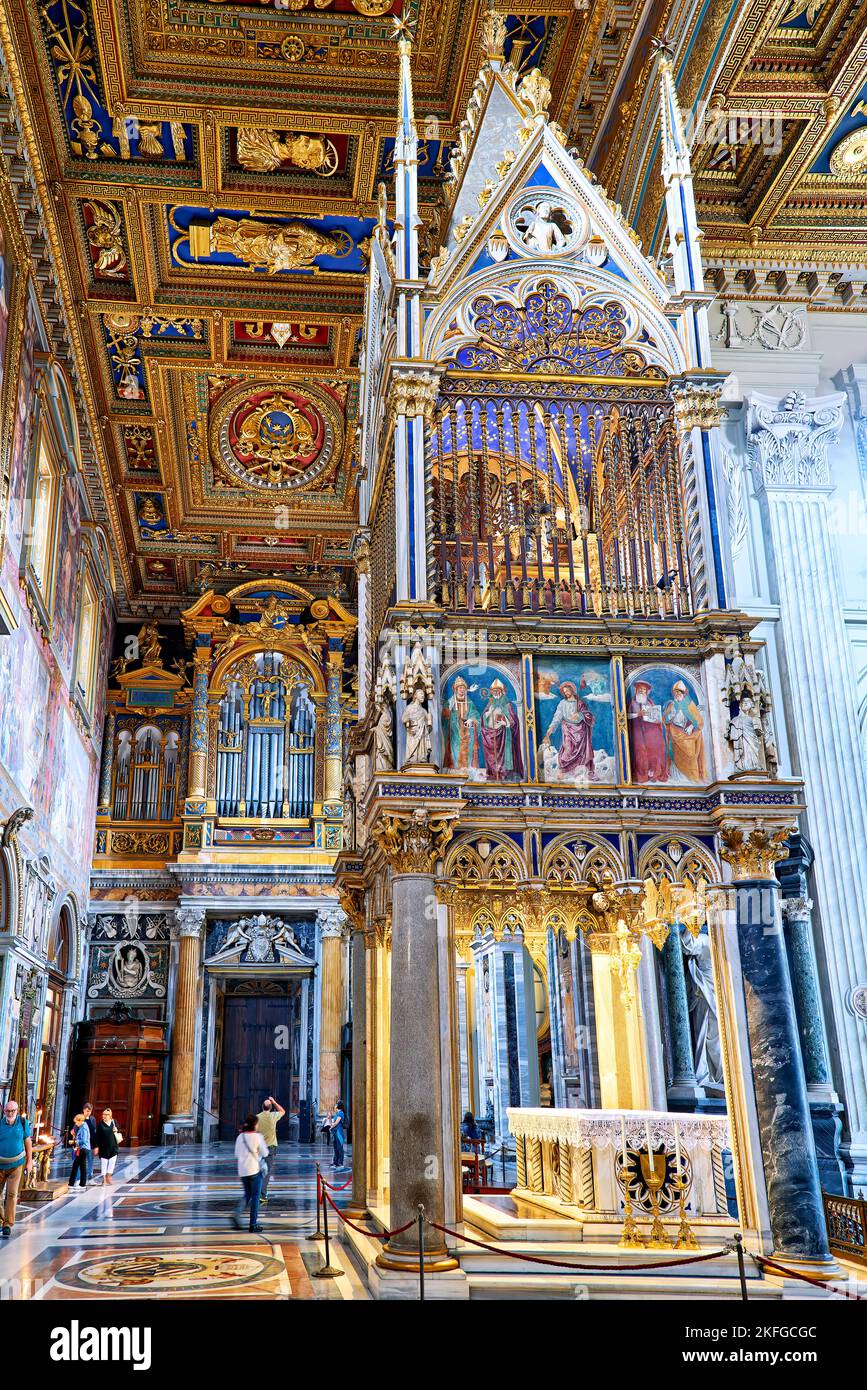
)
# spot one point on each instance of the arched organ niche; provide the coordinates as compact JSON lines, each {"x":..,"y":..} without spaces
{"x":266,"y":740}
{"x":146,"y":770}
{"x":558,"y":503}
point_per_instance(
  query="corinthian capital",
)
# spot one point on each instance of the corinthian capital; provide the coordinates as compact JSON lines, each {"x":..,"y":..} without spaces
{"x":331,"y":921}
{"x":413,"y":393}
{"x":789,"y":440}
{"x":752,"y":848}
{"x":697,"y":404}
{"x":189,"y":921}
{"x":413,"y":844}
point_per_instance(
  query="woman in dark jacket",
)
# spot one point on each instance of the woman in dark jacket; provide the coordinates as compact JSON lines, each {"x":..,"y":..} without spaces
{"x":107,"y":1138}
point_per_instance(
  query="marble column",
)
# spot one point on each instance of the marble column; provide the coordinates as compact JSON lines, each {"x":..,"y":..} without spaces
{"x":785,"y":1130}
{"x":189,"y":924}
{"x":684,"y":1090}
{"x":333,"y":791}
{"x":358,"y":1205}
{"x":199,"y":729}
{"x":419,"y":1167}
{"x":791,"y":445}
{"x":331,"y":927}
{"x":104,"y":807}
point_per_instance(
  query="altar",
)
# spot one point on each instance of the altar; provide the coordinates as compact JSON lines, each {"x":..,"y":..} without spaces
{"x":641,"y":1177}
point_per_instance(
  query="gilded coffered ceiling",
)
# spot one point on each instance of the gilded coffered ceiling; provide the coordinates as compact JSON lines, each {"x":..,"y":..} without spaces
{"x":207,"y":174}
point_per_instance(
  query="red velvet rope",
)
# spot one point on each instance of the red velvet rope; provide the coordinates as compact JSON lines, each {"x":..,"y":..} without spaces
{"x":372,"y":1235}
{"x":587,"y":1269}
{"x":763,"y":1262}
{"x":332,"y":1187}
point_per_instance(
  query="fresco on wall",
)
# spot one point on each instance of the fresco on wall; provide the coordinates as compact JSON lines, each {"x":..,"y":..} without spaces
{"x":665,"y":711}
{"x":5,"y":289}
{"x":481,"y":724}
{"x":575,"y":722}
{"x":66,"y":590}
{"x":21,"y":430}
{"x":71,"y":821}
{"x":24,"y":696}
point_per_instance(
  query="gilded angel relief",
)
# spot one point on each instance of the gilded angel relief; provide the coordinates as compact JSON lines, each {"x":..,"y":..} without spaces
{"x":263,"y":151}
{"x":270,"y":246}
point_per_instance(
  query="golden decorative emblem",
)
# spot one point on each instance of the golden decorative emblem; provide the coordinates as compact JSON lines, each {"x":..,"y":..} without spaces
{"x":273,"y":438}
{"x":263,"y":151}
{"x":104,"y":235}
{"x":850,"y":155}
{"x":270,"y":246}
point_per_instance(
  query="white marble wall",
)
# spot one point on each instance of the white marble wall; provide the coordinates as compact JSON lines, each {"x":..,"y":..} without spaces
{"x":792,"y":483}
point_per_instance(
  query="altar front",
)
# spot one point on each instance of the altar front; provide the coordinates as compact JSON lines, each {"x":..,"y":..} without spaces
{"x":638,"y":1177}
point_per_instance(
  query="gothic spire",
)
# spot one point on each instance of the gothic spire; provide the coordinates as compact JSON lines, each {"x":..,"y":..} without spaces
{"x":406,"y":164}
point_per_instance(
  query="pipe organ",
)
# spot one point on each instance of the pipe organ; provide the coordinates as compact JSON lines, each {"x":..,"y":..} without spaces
{"x":146,"y":768}
{"x":266,"y":737}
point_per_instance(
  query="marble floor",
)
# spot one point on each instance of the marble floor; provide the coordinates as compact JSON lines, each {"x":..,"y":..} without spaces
{"x":166,"y":1229}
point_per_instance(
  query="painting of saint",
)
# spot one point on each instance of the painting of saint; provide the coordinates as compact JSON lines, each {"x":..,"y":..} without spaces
{"x":20,"y":450}
{"x":481,"y":726}
{"x":666,"y":728}
{"x":462,"y":728}
{"x":646,"y":736}
{"x":68,"y":545}
{"x":575,"y":715}
{"x":24,"y":694}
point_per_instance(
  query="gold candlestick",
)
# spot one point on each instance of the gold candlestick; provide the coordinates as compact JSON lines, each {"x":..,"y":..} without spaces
{"x":685,"y":1238}
{"x":630,"y":1237}
{"x":653,"y":1170}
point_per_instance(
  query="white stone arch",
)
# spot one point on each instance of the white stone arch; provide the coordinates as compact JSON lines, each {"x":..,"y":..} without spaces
{"x":575,"y":857}
{"x":67,"y":909}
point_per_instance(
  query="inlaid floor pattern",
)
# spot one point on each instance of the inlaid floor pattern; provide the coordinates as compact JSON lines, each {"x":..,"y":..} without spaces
{"x":166,"y":1228}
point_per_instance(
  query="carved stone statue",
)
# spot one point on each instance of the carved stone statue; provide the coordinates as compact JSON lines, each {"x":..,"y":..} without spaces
{"x":744,"y":734}
{"x":703,"y":1011}
{"x":383,"y":736}
{"x":418,"y":722}
{"x":750,"y":727}
{"x":543,"y":233}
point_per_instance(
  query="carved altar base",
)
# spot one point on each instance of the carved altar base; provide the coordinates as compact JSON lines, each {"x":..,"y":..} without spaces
{"x":571,"y":1162}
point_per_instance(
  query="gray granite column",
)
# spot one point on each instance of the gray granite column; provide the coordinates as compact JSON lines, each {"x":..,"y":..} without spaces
{"x":785,"y":1129}
{"x":684,"y":1089}
{"x":417,"y":1152}
{"x":358,"y":1205}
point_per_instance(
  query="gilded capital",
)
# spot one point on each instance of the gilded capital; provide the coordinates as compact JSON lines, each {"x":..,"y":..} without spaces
{"x":413,"y":844}
{"x":698,"y":405}
{"x":753,"y":848}
{"x":413,"y":393}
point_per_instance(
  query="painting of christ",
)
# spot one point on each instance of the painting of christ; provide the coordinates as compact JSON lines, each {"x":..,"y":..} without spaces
{"x":575,"y":716}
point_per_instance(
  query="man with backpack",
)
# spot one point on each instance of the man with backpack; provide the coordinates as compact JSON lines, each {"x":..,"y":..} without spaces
{"x":16,"y":1157}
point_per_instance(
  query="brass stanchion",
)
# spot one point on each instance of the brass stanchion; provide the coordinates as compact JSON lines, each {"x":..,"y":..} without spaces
{"x":328,"y":1270}
{"x":742,"y":1272}
{"x":317,"y":1234}
{"x":421,"y":1253}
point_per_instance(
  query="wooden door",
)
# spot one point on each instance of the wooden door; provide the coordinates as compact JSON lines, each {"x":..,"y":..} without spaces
{"x":255,"y":1061}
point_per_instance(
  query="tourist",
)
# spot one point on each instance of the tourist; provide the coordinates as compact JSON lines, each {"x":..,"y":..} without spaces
{"x":337,"y":1126}
{"x":269,"y":1117}
{"x":108,"y":1137}
{"x":90,"y":1121}
{"x":469,"y":1129}
{"x":251,"y":1152}
{"x":81,"y":1148}
{"x":16,"y":1153}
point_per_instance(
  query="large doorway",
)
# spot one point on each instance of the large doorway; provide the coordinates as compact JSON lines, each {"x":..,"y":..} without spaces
{"x":258,"y":1047}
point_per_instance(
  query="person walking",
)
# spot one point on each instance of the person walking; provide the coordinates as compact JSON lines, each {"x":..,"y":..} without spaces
{"x":81,"y":1148}
{"x":108,"y":1137}
{"x":269,"y":1117}
{"x":16,"y":1157}
{"x":90,"y":1121}
{"x":251,"y":1153}
{"x":337,"y":1124}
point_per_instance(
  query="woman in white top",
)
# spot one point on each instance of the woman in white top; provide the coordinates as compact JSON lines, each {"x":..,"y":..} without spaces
{"x":251,"y":1151}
